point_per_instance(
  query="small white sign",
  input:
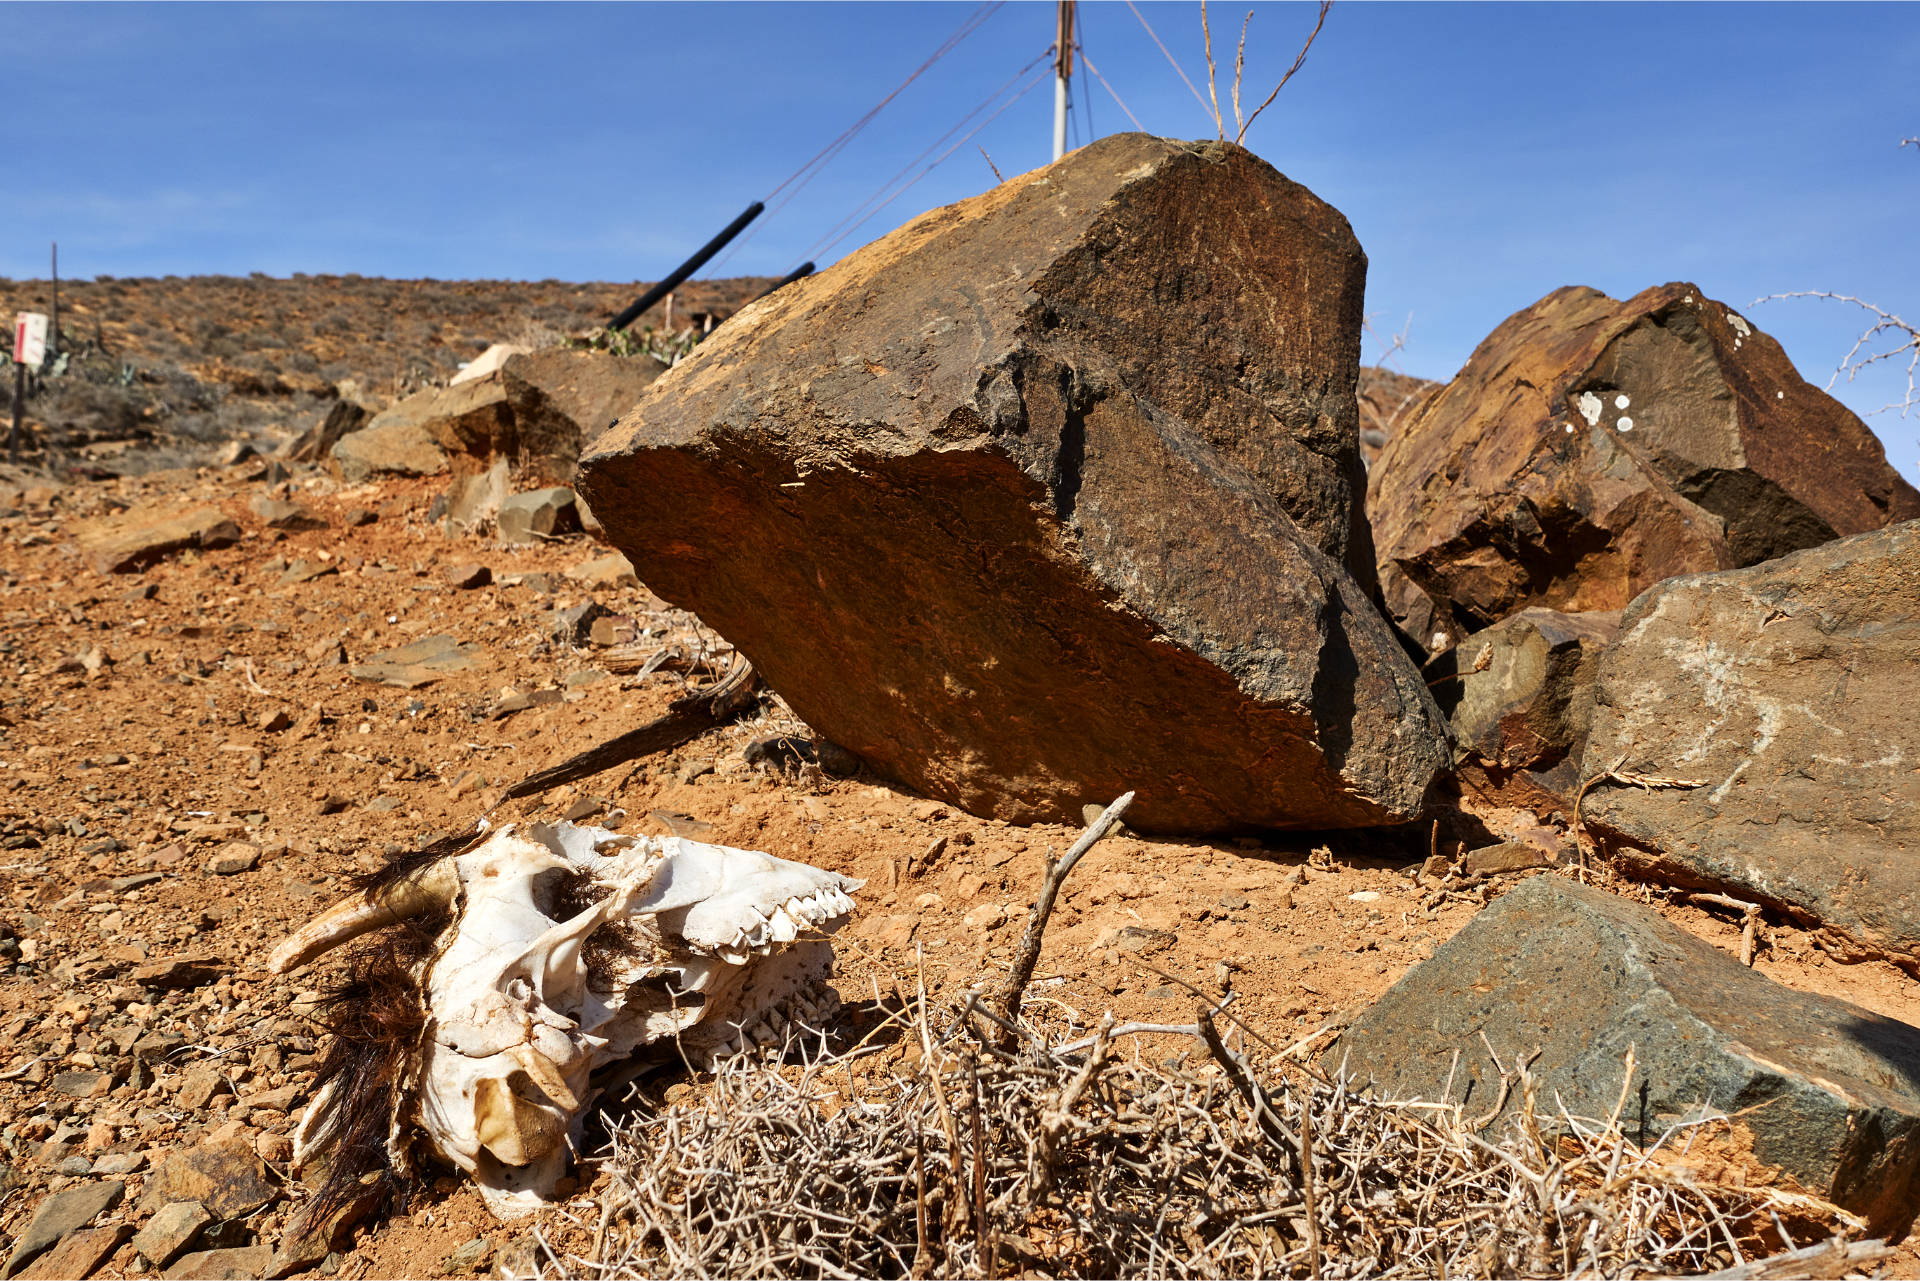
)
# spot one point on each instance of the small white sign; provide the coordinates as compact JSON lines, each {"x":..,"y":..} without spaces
{"x":29,"y":338}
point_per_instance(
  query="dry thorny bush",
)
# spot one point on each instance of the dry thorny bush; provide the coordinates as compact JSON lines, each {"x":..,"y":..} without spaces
{"x":1019,"y":1145}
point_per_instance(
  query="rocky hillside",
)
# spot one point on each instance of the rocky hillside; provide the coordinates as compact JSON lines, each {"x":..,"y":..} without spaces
{"x":158,"y":370}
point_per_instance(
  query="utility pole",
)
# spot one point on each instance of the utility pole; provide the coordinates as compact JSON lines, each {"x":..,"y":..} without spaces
{"x":53,"y":332}
{"x":1062,"y":75}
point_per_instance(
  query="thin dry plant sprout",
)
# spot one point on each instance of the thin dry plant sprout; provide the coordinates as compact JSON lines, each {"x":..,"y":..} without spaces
{"x":1861,"y":356}
{"x":1239,"y":70}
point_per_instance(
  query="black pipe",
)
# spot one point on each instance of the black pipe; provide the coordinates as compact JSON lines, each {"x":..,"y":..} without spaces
{"x":801,"y":272}
{"x":686,"y":268}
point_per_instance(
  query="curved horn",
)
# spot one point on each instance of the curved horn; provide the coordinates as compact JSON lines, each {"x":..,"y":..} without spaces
{"x":433,"y":886}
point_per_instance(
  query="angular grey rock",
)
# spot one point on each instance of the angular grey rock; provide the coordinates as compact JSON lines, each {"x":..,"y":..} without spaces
{"x":1047,"y":496}
{"x":1823,"y":1093}
{"x":538,"y":513}
{"x":419,"y":663}
{"x":1520,"y":697}
{"x":1788,"y":691}
{"x":316,"y":443}
{"x":80,"y":1254}
{"x":65,"y":1211}
{"x":238,"y":1263}
{"x":563,"y":398}
{"x":228,"y":1178}
{"x":415,"y":436}
{"x":133,"y":540}
{"x":613,"y":570}
{"x":476,"y":497}
{"x":278,"y":513}
{"x":172,"y":1229}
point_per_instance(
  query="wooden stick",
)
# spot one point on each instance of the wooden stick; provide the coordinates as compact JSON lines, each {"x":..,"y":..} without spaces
{"x":1027,"y":955}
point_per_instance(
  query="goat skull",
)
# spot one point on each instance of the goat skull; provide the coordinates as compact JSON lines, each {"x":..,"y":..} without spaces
{"x":693,"y":945}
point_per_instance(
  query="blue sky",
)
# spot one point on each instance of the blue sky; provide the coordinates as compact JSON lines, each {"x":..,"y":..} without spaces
{"x":1485,"y":154}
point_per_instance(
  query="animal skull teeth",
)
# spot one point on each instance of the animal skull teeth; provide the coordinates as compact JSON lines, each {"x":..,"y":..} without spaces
{"x":566,"y":949}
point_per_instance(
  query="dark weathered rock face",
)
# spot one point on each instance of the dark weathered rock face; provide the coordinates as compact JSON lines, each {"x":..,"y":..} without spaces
{"x":1789,"y":691}
{"x":562,"y":398}
{"x":1825,"y":1093}
{"x":1044,"y":496}
{"x":1591,"y":448}
{"x":1520,"y":696}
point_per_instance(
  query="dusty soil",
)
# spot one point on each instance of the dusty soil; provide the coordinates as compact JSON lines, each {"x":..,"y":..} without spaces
{"x":151,"y":721}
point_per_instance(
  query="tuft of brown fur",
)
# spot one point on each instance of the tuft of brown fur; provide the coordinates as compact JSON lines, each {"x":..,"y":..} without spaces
{"x":374,"y":1020}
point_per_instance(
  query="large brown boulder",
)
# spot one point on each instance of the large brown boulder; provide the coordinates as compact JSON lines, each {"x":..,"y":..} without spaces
{"x":1044,"y":497}
{"x":562,"y":398}
{"x":1591,"y":448}
{"x":1786,"y":692}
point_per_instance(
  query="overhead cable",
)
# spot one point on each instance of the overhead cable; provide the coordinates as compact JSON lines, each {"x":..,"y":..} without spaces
{"x":1110,"y":89}
{"x":807,"y":172}
{"x":861,"y":211}
{"x":1029,"y":87}
{"x":1176,"y":66}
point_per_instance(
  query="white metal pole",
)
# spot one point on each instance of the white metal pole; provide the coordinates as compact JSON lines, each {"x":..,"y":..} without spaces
{"x":1062,"y":75}
{"x":1059,"y":116}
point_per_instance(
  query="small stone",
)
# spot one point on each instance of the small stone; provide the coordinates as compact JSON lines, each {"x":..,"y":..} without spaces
{"x":243,"y":1263}
{"x":120,"y":1163}
{"x":575,"y":626}
{"x":613,"y":630}
{"x":177,"y":973}
{"x":199,"y":1084}
{"x":469,"y":1256}
{"x":234,"y":453}
{"x":539,"y":513}
{"x":1509,"y":856}
{"x":82,"y":1085}
{"x":357,"y":517}
{"x":836,"y":760}
{"x":234,"y":858}
{"x":326,"y":652}
{"x":583,"y":809}
{"x":130,"y":542}
{"x":1136,"y":940}
{"x":1364,"y":896}
{"x":468,"y":577}
{"x":79,"y":1255}
{"x":172,"y":1230}
{"x":302,"y":572}
{"x":892,"y":931}
{"x":63,"y":1212}
{"x":694,"y":769}
{"x":273,"y":720}
{"x":226,"y":1177}
{"x":605,"y":571}
{"x":168,"y":855}
{"x":277,"y":513}
{"x":988,"y":916}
